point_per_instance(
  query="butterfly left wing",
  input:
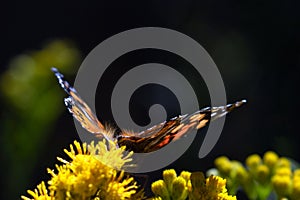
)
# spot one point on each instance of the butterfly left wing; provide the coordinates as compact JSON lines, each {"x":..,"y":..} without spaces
{"x":162,"y":134}
{"x":80,"y":110}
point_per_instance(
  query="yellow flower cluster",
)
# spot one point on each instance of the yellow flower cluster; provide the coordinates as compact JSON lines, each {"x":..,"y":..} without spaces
{"x":40,"y":193}
{"x":260,"y":176}
{"x":191,"y":186}
{"x":92,"y":173}
{"x":287,"y":183}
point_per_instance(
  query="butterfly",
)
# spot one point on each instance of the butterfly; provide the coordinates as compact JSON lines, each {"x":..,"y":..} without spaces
{"x":146,"y":141}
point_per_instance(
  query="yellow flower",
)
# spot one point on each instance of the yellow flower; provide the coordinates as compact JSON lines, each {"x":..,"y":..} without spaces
{"x":283,"y":162}
{"x":287,"y":183}
{"x":118,"y":188}
{"x":40,"y":193}
{"x":296,"y":185}
{"x":159,"y":188}
{"x":211,"y":188}
{"x":297,"y":173}
{"x":225,"y":196}
{"x":283,"y":171}
{"x":111,"y":155}
{"x":262,"y":174}
{"x":192,"y":186}
{"x":169,"y":176}
{"x":270,"y":158}
{"x":216,"y":185}
{"x":242,"y":175}
{"x":91,"y":174}
{"x":282,"y":185}
{"x":186,"y":175}
{"x":180,"y":189}
{"x":223,"y":164}
{"x":253,"y":161}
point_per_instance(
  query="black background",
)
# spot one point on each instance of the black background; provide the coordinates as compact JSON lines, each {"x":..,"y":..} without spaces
{"x":255,"y":45}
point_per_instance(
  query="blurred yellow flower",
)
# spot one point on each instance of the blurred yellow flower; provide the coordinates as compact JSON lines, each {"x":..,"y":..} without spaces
{"x":282,"y":184}
{"x":270,"y":158}
{"x":261,"y":176}
{"x":253,"y":161}
{"x":223,"y":164}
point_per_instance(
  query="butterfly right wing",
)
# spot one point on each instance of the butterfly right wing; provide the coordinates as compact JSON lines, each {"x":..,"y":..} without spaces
{"x":80,"y":110}
{"x":141,"y":142}
{"x":162,"y":134}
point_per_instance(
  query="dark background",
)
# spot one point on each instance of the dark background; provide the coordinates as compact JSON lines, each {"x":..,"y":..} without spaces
{"x":255,"y":45}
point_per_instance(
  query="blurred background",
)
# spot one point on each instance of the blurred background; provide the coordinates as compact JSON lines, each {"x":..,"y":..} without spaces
{"x":255,"y":45}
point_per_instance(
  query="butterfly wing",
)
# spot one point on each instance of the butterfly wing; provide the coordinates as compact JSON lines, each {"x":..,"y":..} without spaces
{"x":79,"y":109}
{"x":162,"y":134}
{"x":149,"y":140}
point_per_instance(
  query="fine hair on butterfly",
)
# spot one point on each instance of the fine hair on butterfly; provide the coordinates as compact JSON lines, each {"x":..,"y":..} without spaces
{"x":146,"y":141}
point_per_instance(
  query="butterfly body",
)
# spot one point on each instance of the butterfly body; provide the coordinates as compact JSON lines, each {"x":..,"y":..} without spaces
{"x":146,"y":141}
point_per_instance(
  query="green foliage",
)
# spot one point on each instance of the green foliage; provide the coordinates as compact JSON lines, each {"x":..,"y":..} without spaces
{"x":32,"y":102}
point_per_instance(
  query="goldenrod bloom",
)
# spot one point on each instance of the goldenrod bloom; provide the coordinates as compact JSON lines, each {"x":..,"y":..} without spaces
{"x":283,"y":162}
{"x":223,"y":164}
{"x":296,"y":185}
{"x":169,"y":176}
{"x":40,"y":193}
{"x":242,"y":175}
{"x":91,"y":174}
{"x":159,"y":188}
{"x":191,"y":186}
{"x":261,"y":176}
{"x":253,"y":161}
{"x":180,"y":188}
{"x":282,"y":185}
{"x":270,"y":158}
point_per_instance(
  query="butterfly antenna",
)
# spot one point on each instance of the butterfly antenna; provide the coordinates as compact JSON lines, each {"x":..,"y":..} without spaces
{"x":218,"y":112}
